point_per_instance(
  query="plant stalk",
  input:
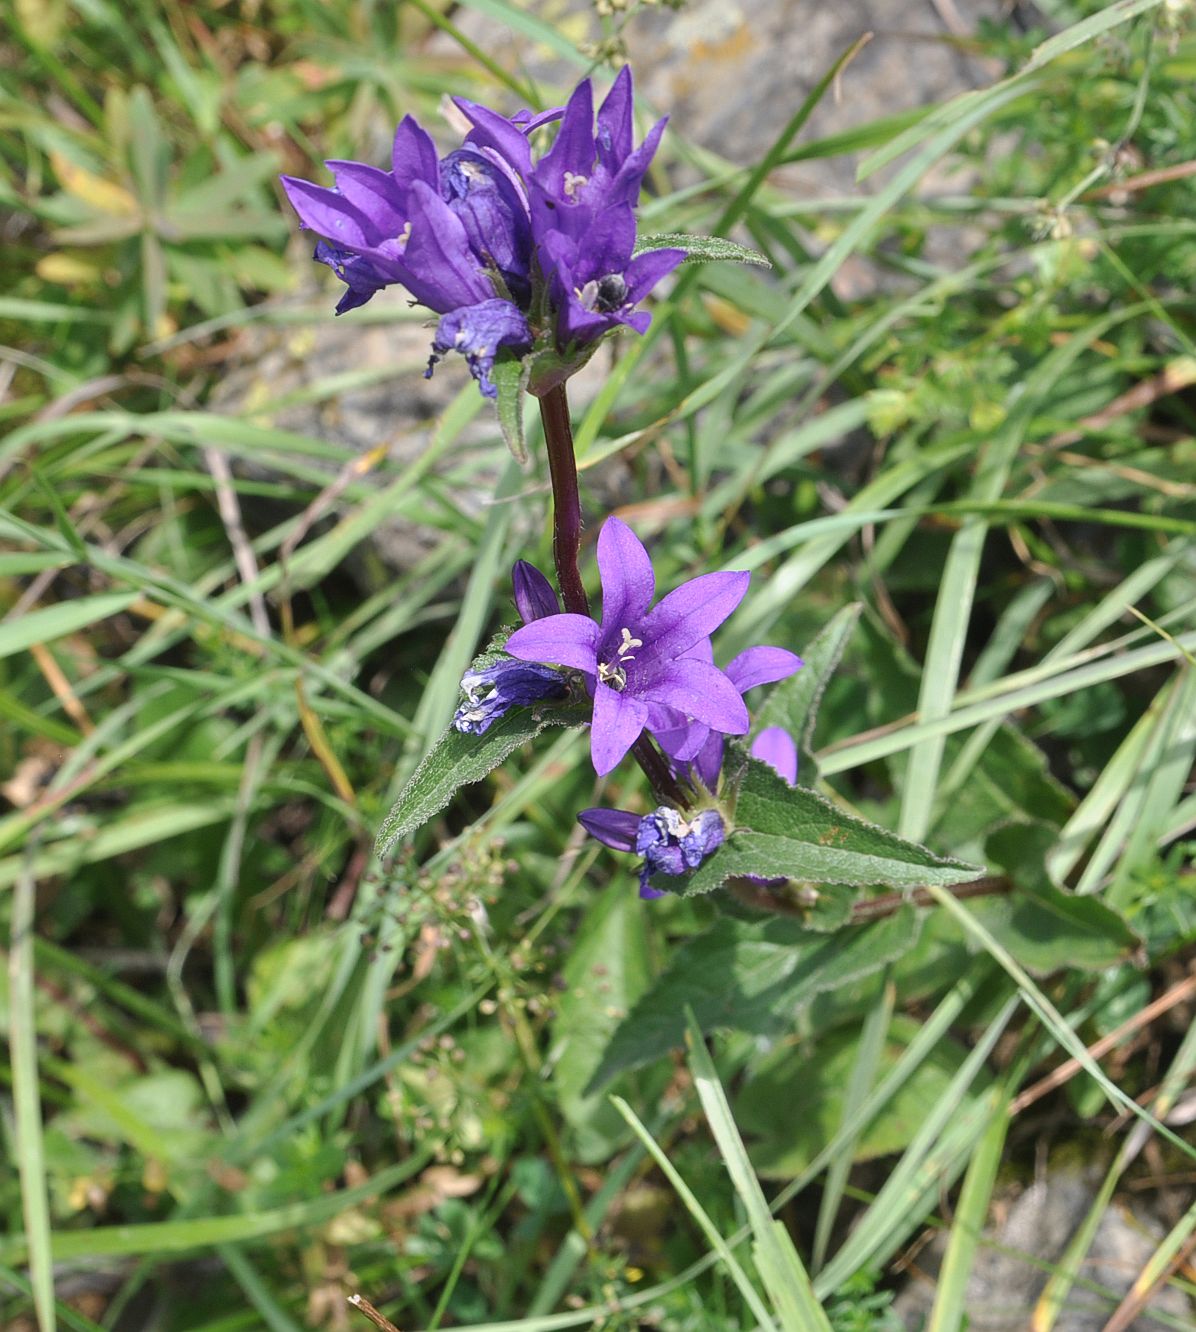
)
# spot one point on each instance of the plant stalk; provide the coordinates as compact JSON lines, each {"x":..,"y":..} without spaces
{"x":566,"y":547}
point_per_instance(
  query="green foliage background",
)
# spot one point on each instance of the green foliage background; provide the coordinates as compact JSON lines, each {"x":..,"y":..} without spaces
{"x":250,"y":1067}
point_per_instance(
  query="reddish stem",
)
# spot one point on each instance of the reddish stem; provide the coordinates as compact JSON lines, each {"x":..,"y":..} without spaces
{"x":566,"y":546}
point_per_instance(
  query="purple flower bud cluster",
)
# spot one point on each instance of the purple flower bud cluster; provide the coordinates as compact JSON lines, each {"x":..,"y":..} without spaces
{"x":670,"y":843}
{"x":510,"y":250}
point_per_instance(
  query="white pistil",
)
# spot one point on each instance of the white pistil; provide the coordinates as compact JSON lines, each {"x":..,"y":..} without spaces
{"x":612,"y":672}
{"x":404,"y":236}
{"x":573,"y":183}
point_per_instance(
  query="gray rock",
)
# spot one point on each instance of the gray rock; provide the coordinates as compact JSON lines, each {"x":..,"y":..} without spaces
{"x":730,"y":73}
{"x":1010,"y":1268}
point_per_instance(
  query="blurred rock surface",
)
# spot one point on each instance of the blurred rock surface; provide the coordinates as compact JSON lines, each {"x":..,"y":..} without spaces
{"x":730,"y":73}
{"x":1039,"y":1224}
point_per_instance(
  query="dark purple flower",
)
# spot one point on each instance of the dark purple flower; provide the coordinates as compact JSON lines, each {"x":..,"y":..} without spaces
{"x":477,"y":332}
{"x":487,"y":223}
{"x":670,"y":842}
{"x":534,"y":597}
{"x":593,"y":281}
{"x":494,"y":690}
{"x":637,"y":658}
{"x":493,"y":213}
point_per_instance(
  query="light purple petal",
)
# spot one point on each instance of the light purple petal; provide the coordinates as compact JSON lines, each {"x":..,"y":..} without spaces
{"x":612,"y":827}
{"x":774,"y":746}
{"x":413,"y":156}
{"x":534,"y":597}
{"x":762,"y":665}
{"x":330,"y":214}
{"x":691,"y":612}
{"x":628,"y":583}
{"x":700,"y":691}
{"x":564,"y":640}
{"x":614,"y":122}
{"x":618,"y":721}
{"x":647,"y":269}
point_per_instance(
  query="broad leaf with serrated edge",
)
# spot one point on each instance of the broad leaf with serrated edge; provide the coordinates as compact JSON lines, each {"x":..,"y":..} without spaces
{"x":788,"y":831}
{"x":751,"y":976}
{"x":459,"y":759}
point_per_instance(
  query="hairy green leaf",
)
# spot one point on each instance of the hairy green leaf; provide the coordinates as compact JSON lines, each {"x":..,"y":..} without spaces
{"x":459,"y":759}
{"x":700,"y":249}
{"x":508,"y":377}
{"x":794,"y":832}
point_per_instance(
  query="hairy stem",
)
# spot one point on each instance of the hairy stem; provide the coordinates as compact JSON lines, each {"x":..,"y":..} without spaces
{"x":566,"y":545}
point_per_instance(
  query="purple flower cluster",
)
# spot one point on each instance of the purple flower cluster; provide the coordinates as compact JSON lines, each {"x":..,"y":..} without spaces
{"x":669,"y":842}
{"x":509,"y":250}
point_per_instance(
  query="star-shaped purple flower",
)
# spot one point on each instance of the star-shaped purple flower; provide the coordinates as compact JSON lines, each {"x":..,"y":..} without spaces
{"x":637,"y":659}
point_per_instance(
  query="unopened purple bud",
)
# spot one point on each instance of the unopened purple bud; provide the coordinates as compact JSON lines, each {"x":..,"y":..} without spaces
{"x":616,"y":828}
{"x":534,"y":597}
{"x":491,"y":692}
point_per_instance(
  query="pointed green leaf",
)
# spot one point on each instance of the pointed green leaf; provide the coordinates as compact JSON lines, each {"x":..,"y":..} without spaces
{"x":793,"y":832}
{"x":700,"y":249}
{"x":751,"y":976}
{"x":509,"y":378}
{"x":459,"y":759}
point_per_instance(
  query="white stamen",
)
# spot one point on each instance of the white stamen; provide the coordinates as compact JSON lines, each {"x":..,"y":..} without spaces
{"x":573,"y":183}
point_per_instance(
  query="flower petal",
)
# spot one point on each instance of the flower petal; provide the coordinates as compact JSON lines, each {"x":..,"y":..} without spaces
{"x":774,"y":746}
{"x":647,"y":269}
{"x":442,"y":271}
{"x":614,"y":123}
{"x":625,"y":188}
{"x":534,"y":597}
{"x":617,"y":723}
{"x":491,"y":130}
{"x":762,"y":665}
{"x":612,"y":827}
{"x":691,"y":612}
{"x":571,"y":157}
{"x":564,"y":640}
{"x":700,"y":691}
{"x":708,"y":762}
{"x":413,"y":155}
{"x":373,"y":191}
{"x":628,"y":583}
{"x":330,"y":214}
{"x":478,"y":332}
